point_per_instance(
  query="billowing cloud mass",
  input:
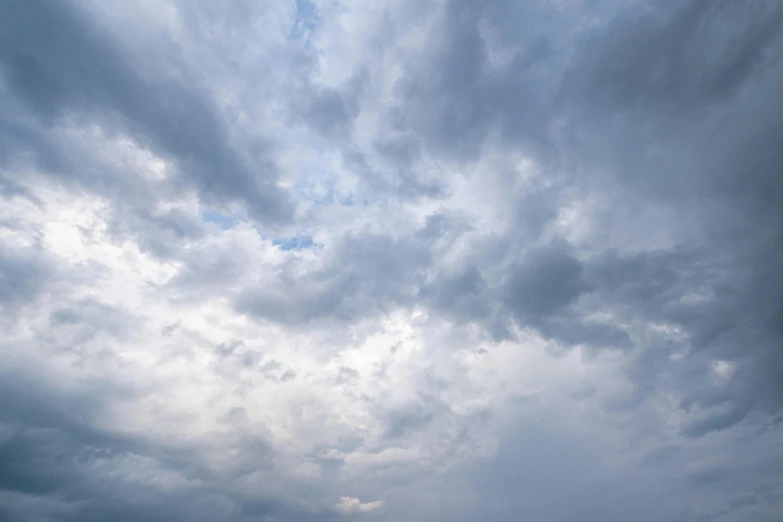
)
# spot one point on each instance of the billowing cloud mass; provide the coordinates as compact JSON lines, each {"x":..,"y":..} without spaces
{"x":450,"y":260}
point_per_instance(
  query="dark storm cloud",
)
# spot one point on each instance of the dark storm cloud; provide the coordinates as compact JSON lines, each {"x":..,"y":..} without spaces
{"x":462,"y":294}
{"x":687,"y":55}
{"x":455,"y":97}
{"x":57,"y":63}
{"x":541,"y":291}
{"x":698,"y":123}
{"x":547,"y":281}
{"x":538,"y":291}
{"x":669,"y":105}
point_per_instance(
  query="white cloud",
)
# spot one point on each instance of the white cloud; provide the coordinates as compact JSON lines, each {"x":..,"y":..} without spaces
{"x":350,"y":505}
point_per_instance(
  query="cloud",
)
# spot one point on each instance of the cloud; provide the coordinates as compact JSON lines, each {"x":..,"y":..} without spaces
{"x":24,"y":272}
{"x":481,"y":260}
{"x":350,"y":505}
{"x":363,"y":270}
{"x":79,"y":71}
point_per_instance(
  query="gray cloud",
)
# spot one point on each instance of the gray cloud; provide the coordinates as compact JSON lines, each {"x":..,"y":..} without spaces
{"x":58,"y":63}
{"x":367,"y":273}
{"x":546,"y":282}
{"x":23,"y":273}
{"x":600,"y":180}
{"x":626,"y":95}
{"x":53,"y":447}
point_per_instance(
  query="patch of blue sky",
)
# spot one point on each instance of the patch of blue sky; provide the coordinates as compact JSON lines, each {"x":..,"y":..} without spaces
{"x":305,"y":20}
{"x":299,"y":242}
{"x":224,"y":221}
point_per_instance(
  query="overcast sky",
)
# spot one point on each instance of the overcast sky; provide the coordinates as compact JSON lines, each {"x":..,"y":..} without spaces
{"x":391,"y":260}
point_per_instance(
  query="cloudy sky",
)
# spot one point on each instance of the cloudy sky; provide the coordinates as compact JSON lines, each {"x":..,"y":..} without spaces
{"x":391,"y":260}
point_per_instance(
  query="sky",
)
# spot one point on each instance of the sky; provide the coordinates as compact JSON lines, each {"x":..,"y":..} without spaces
{"x":398,"y":260}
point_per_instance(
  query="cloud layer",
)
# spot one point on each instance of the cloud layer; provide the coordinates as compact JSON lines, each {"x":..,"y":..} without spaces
{"x":394,"y":260}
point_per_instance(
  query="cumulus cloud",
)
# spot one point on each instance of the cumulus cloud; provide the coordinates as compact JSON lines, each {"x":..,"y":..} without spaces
{"x":482,"y":260}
